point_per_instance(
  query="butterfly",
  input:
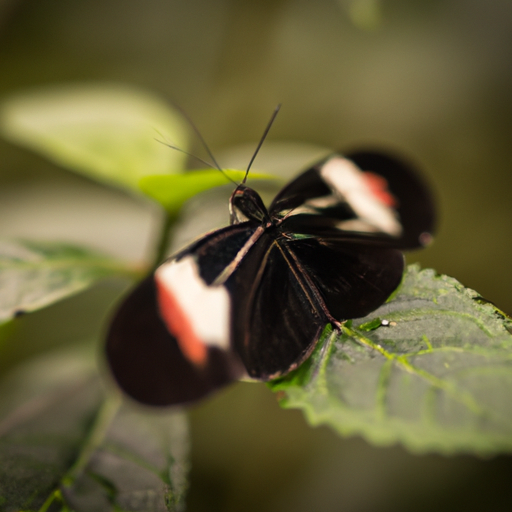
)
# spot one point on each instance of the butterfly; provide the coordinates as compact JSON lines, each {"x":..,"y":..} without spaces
{"x":252,"y":299}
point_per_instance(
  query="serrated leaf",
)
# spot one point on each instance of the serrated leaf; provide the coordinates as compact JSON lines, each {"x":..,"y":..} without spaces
{"x":431,"y":369}
{"x":106,"y":132}
{"x":36,"y":274}
{"x":172,"y":191}
{"x":64,"y":443}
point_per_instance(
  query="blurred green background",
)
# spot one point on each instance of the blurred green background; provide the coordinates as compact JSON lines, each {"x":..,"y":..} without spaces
{"x":431,"y":78}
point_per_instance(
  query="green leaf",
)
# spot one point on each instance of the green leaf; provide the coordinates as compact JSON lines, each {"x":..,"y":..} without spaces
{"x":172,"y":191}
{"x":63,"y":442}
{"x":437,"y":378}
{"x":106,"y":132}
{"x":36,"y":274}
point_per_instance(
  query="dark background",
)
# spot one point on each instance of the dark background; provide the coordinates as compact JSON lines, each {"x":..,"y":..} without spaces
{"x":430,"y":78}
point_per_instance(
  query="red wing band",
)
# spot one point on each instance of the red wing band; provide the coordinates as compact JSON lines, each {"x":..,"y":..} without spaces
{"x":195,"y":313}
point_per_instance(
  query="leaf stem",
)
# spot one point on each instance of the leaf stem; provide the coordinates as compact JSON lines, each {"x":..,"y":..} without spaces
{"x":165,"y":238}
{"x":103,"y":419}
{"x":55,"y":495}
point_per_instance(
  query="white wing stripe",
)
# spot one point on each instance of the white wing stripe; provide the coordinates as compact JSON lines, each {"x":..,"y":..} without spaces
{"x":206,"y":307}
{"x":346,"y":179}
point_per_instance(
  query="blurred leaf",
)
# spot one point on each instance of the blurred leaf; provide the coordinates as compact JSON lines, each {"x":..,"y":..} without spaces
{"x":36,"y":274}
{"x":439,"y":377}
{"x":107,"y":132}
{"x":172,"y":191}
{"x":62,"y":442}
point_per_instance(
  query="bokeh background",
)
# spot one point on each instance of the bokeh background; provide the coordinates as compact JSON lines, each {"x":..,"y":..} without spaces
{"x":432,"y":78}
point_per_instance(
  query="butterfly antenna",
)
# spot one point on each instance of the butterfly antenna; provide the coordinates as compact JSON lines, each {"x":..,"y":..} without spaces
{"x":264,"y":136}
{"x":205,"y":145}
{"x":201,"y":138}
{"x":208,"y":164}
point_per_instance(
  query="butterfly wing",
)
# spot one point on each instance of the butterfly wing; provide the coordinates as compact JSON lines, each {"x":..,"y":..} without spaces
{"x":169,"y":341}
{"x":273,"y":327}
{"x":147,"y":361}
{"x":415,"y":204}
{"x":289,"y":289}
{"x":365,"y":192}
{"x":353,"y":278}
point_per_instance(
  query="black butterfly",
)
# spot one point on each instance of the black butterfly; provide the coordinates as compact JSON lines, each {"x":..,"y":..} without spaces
{"x":254,"y":297}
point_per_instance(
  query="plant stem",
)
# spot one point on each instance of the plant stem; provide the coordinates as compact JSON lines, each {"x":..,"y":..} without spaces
{"x":165,"y":238}
{"x":54,"y":496}
{"x":101,"y":424}
{"x":103,"y":420}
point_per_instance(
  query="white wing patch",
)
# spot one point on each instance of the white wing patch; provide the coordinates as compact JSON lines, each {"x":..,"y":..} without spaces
{"x":347,"y":180}
{"x":206,"y":308}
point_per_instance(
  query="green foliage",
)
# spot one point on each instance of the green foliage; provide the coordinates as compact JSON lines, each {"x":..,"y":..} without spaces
{"x":64,"y":441}
{"x":437,"y":377}
{"x":106,"y":132}
{"x":36,"y":274}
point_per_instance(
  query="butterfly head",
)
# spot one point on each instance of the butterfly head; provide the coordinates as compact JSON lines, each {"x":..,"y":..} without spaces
{"x":246,"y":204}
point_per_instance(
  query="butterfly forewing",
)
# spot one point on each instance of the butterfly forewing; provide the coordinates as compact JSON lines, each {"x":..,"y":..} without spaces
{"x":414,"y":201}
{"x":165,"y":342}
{"x":365,"y":192}
{"x":148,"y":363}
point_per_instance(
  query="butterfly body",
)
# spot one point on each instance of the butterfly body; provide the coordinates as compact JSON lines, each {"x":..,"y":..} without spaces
{"x":254,"y":297}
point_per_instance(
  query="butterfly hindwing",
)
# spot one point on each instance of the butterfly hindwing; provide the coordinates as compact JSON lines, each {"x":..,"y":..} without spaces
{"x":353,"y":279}
{"x":274,"y":324}
{"x":289,"y":289}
